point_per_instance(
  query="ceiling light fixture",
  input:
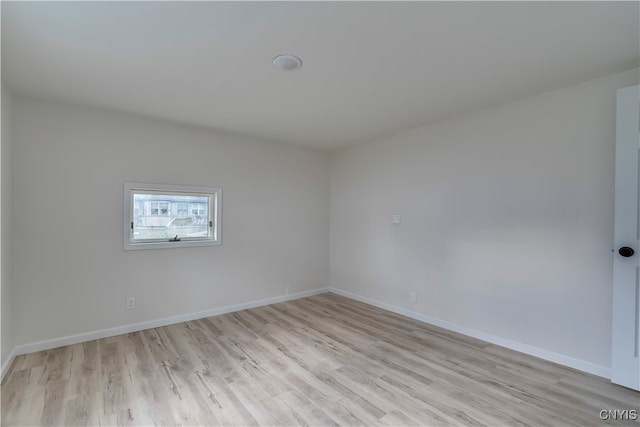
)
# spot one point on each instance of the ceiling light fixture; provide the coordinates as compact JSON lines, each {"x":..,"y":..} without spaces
{"x":287,"y":62}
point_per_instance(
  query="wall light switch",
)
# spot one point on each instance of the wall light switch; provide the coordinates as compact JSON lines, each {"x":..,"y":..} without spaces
{"x":395,"y":219}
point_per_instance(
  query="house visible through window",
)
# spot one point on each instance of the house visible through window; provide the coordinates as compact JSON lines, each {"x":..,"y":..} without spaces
{"x":162,"y":216}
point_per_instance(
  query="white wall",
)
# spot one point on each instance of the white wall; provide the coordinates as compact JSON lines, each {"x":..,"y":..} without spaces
{"x":507,"y":219}
{"x":71,"y":273}
{"x":6,"y":231}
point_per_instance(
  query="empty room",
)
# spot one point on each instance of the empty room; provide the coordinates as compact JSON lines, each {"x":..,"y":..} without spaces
{"x":320,"y":213}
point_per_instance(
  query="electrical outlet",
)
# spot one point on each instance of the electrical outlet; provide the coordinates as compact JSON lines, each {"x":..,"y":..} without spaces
{"x":413,"y":297}
{"x":287,"y":290}
{"x":131,"y":303}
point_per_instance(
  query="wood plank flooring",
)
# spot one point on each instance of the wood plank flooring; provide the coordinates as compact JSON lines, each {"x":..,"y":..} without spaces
{"x":323,"y":360}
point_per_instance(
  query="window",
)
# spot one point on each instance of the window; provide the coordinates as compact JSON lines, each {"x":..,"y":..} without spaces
{"x":197,"y":209}
{"x":157,"y":208}
{"x":183,"y":209}
{"x":170,"y":216}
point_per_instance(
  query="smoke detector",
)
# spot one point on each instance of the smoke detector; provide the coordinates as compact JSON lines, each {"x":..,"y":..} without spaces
{"x":287,"y":62}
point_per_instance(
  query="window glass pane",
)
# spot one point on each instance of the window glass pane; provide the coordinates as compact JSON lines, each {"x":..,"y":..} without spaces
{"x":168,"y":216}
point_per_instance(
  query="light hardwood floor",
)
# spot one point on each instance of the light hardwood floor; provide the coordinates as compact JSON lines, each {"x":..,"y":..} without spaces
{"x":323,"y":360}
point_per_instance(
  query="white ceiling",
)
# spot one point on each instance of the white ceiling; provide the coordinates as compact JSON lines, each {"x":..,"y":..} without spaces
{"x":370,"y":68}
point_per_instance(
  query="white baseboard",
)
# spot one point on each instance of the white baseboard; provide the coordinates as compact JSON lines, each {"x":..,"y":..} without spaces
{"x":135,"y":327}
{"x":581,"y":365}
{"x":561,"y":359}
{"x":7,"y":364}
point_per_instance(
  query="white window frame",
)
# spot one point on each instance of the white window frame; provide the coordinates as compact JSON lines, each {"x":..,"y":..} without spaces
{"x":214,"y":215}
